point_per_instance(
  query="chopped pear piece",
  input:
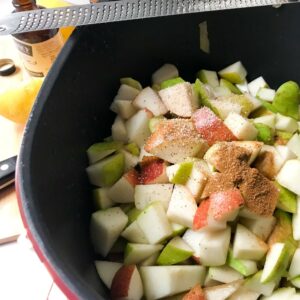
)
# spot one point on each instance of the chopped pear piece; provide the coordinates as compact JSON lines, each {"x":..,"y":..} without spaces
{"x":286,"y":100}
{"x":266,"y":94}
{"x":126,"y":92}
{"x":223,"y":274}
{"x":179,"y":173}
{"x":230,"y":86}
{"x":285,"y":123}
{"x":119,"y":131}
{"x":256,"y":84}
{"x":131,"y":82}
{"x":235,"y":73}
{"x":170,"y":82}
{"x":296,"y":222}
{"x":268,"y":120}
{"x":294,"y":270}
{"x":276,"y":263}
{"x":209,"y":77}
{"x":265,"y":133}
{"x":254,"y":284}
{"x":223,"y":291}
{"x":134,"y":234}
{"x":101,"y":198}
{"x":165,"y":72}
{"x":100,"y":150}
{"x":153,"y":122}
{"x":107,"y":171}
{"x":282,"y":293}
{"x":294,"y":144}
{"x":107,"y":270}
{"x":287,"y":200}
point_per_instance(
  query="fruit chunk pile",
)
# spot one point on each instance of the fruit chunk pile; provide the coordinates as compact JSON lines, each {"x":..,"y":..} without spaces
{"x":197,"y":189}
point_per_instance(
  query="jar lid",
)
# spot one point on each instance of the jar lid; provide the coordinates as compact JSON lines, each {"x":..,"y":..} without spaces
{"x":7,"y":67}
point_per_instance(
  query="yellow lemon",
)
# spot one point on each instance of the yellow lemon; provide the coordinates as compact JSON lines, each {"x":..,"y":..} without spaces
{"x":66,"y":31}
{"x":16,"y":102}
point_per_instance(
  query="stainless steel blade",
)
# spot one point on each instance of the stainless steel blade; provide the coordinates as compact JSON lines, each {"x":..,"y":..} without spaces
{"x":115,"y":11}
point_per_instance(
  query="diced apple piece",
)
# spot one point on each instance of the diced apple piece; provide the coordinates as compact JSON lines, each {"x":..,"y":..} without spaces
{"x":134,"y":234}
{"x":130,"y":160}
{"x":224,"y":274}
{"x":182,"y":206}
{"x":175,"y":140}
{"x":254,"y":101}
{"x":223,"y":291}
{"x":127,"y":284}
{"x":107,"y":270}
{"x":196,"y":293}
{"x":289,"y":176}
{"x":254,"y":284}
{"x":235,"y":73}
{"x":136,"y":253}
{"x":285,"y":123}
{"x":282,"y":293}
{"x":123,"y":190}
{"x":266,"y":94}
{"x":146,"y":194}
{"x":260,"y":226}
{"x":255,"y":85}
{"x":210,"y":247}
{"x":119,"y":131}
{"x":240,"y":127}
{"x":179,"y":173}
{"x":287,"y":200}
{"x":154,"y":223}
{"x":124,"y":108}
{"x":210,"y":127}
{"x":179,"y":99}
{"x":243,"y":266}
{"x":107,"y":171}
{"x":163,"y":281}
{"x":286,"y":100}
{"x":294,"y":269}
{"x":167,"y":71}
{"x":197,"y":180}
{"x":222,"y":107}
{"x":294,"y":144}
{"x":269,"y":161}
{"x":174,"y":252}
{"x":209,"y":77}
{"x":154,"y":171}
{"x":100,"y":150}
{"x":276,"y":263}
{"x":101,"y":198}
{"x":247,"y":245}
{"x":126,"y":92}
{"x":268,"y":120}
{"x":296,"y":222}
{"x":105,"y":228}
{"x":149,"y":99}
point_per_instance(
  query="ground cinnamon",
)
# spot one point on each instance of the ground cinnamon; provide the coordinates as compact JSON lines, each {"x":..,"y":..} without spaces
{"x":259,"y":193}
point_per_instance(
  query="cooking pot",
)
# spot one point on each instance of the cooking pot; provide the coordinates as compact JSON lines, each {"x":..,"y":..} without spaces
{"x":72,"y":112}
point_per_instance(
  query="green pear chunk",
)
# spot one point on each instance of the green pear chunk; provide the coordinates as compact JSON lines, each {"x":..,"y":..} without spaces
{"x":286,"y":99}
{"x":106,"y":172}
{"x":136,"y":253}
{"x":287,"y":200}
{"x":170,"y":82}
{"x":254,"y":284}
{"x":178,"y":229}
{"x":223,"y":274}
{"x":101,"y":199}
{"x":174,"y":252}
{"x":134,"y":234}
{"x":179,"y":173}
{"x":277,"y":260}
{"x":264,"y":133}
{"x":133,"y":214}
{"x":204,"y":96}
{"x":133,"y":148}
{"x":243,"y":266}
{"x":131,"y":82}
{"x":285,"y":293}
{"x":209,"y":77}
{"x":235,"y":73}
{"x":230,"y":86}
{"x":100,"y":150}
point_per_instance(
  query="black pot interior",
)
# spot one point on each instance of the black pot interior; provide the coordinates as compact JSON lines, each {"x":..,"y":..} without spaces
{"x":72,"y":110}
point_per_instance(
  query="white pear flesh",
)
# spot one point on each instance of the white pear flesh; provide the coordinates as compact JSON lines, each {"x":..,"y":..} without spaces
{"x":224,"y":274}
{"x":122,"y":191}
{"x":294,"y":269}
{"x":154,"y":223}
{"x":235,"y":73}
{"x":280,"y":294}
{"x":296,"y":221}
{"x":244,"y":294}
{"x":182,"y":207}
{"x":119,"y":131}
{"x":247,"y":245}
{"x":289,"y":176}
{"x":254,"y":284}
{"x":107,"y":270}
{"x":105,"y":228}
{"x":294,"y":144}
{"x":210,"y":247}
{"x":266,"y":94}
{"x":165,"y":72}
{"x":285,"y":123}
{"x":268,"y":120}
{"x":134,"y":234}
{"x":123,"y":108}
{"x":126,"y":92}
{"x":240,"y":127}
{"x":285,"y":152}
{"x":163,"y":281}
{"x":255,"y":85}
{"x":149,"y":193}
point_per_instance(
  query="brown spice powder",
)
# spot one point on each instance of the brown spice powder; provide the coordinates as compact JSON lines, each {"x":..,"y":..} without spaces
{"x":259,"y":193}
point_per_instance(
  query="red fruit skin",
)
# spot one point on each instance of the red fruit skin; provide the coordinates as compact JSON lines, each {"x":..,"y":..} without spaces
{"x":121,"y":281}
{"x":132,"y":177}
{"x":224,"y":203}
{"x":196,"y":293}
{"x":201,"y":216}
{"x":153,"y":172}
{"x":210,"y":127}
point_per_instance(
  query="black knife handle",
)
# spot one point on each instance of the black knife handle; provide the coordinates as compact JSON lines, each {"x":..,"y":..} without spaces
{"x":7,"y":171}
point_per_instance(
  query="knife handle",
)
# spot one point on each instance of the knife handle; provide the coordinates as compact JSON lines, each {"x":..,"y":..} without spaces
{"x":7,"y":171}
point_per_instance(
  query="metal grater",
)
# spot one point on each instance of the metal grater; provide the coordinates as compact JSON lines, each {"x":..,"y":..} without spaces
{"x":115,"y":11}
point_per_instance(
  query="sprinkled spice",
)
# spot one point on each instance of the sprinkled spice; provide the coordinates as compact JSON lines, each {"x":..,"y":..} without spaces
{"x":259,"y":193}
